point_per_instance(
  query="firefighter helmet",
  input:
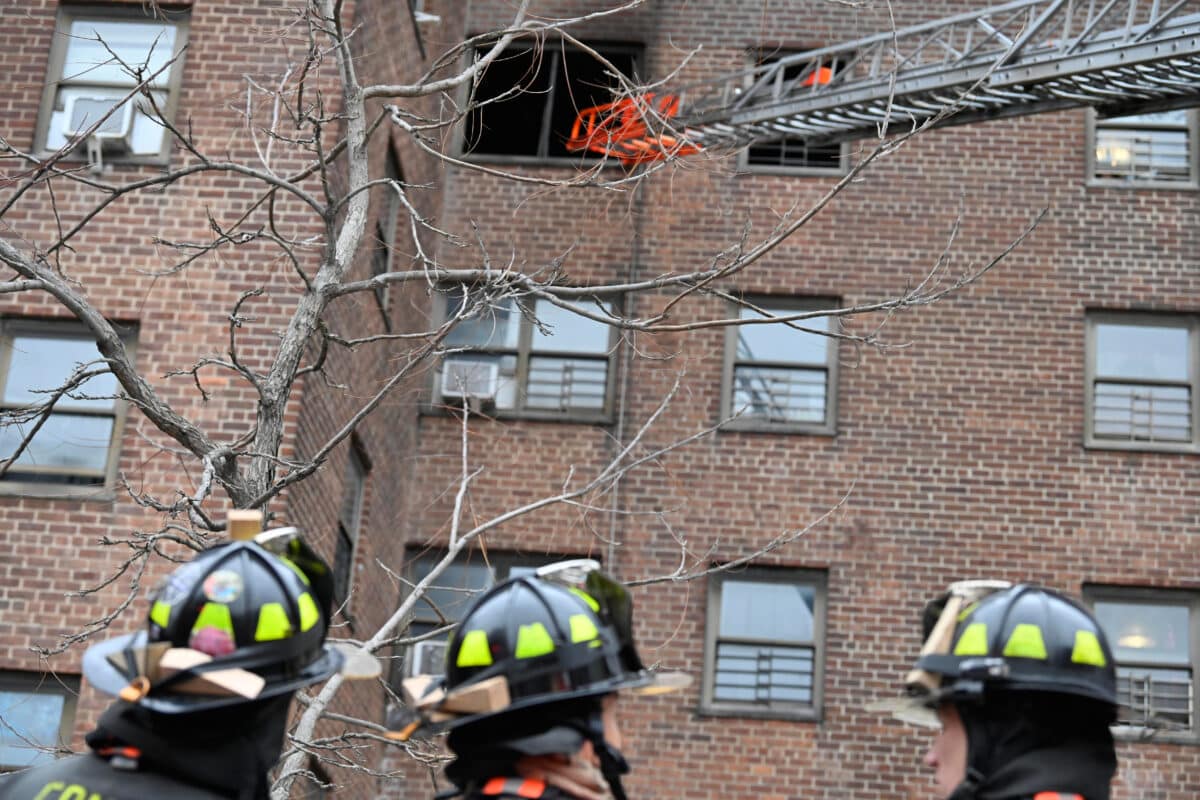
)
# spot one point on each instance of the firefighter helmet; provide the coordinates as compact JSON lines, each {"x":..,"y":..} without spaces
{"x":243,"y":608}
{"x":1020,"y":639}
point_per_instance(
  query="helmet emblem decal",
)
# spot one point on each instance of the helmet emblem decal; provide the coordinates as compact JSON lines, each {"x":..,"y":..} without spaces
{"x":223,"y":586}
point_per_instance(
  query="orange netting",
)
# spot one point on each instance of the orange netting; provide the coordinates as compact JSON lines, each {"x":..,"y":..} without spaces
{"x":619,"y":129}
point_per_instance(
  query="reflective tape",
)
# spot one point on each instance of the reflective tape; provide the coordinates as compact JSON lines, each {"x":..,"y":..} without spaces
{"x":1026,"y":642}
{"x":273,"y":623}
{"x":474,"y":650}
{"x":973,"y":641}
{"x":582,"y":628}
{"x":1087,"y":650}
{"x":309,"y":615}
{"x":533,"y":640}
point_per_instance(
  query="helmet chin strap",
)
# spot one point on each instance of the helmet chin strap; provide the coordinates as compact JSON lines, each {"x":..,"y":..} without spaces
{"x":612,"y":763}
{"x":971,"y":783}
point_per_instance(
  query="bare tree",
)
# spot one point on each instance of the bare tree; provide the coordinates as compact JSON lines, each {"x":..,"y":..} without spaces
{"x":312,"y":129}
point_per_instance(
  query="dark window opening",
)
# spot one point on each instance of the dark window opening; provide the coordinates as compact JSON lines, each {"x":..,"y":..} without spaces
{"x":526,"y":101}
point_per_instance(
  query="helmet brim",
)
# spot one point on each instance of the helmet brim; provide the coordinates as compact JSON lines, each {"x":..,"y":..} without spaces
{"x":101,"y":672}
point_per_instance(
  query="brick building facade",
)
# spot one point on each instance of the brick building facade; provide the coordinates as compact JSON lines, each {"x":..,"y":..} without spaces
{"x":1039,"y":425}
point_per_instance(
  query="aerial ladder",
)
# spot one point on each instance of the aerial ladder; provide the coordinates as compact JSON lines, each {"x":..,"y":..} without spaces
{"x":1121,"y":57}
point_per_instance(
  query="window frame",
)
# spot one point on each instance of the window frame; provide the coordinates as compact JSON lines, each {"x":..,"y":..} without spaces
{"x":28,"y":682}
{"x":818,"y":579}
{"x":754,"y":58}
{"x":68,"y":14}
{"x":383,"y":255}
{"x":730,"y":361}
{"x":358,"y":471}
{"x":523,"y":352}
{"x":550,"y":51}
{"x":1193,"y":181}
{"x":1133,"y":595}
{"x":1143,"y":319}
{"x":10,"y":328}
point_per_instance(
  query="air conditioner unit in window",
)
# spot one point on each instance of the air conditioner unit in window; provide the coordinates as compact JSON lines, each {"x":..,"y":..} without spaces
{"x":427,"y":658}
{"x":114,"y":135}
{"x":476,"y":380}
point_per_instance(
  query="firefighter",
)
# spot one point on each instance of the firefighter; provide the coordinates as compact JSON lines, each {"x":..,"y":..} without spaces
{"x":529,"y":693}
{"x":1023,"y":685}
{"x":205,"y":689}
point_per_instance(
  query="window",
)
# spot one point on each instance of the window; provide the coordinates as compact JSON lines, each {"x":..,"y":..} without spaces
{"x":349,"y":522}
{"x":77,"y":443}
{"x":383,"y":255}
{"x":1141,"y":375}
{"x":447,"y":600}
{"x":764,"y":643}
{"x":559,"y":367}
{"x":1145,"y":148}
{"x":526,"y":101}
{"x":780,"y":376}
{"x":36,"y":715}
{"x":95,"y":60}
{"x":1152,"y":635}
{"x":795,"y":154}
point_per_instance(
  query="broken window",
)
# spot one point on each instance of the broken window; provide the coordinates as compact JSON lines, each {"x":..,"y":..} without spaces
{"x":526,"y":101}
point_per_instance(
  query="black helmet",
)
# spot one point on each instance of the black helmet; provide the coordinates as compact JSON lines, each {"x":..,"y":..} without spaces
{"x":243,"y":608}
{"x":1018,"y":639}
{"x":549,"y":641}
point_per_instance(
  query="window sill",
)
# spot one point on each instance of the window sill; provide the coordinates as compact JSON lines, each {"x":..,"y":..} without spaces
{"x":51,"y":491}
{"x":1101,"y":445}
{"x":795,"y":172}
{"x":159,"y":160}
{"x":1130,"y":734}
{"x":555,"y":162}
{"x":793,"y":429}
{"x":521,"y":416}
{"x":723,"y":710}
{"x":1112,"y":183}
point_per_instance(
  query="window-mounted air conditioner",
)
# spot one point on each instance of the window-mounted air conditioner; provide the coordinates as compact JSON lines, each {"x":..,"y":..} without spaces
{"x":427,"y":658}
{"x":114,"y":135}
{"x":475,"y":380}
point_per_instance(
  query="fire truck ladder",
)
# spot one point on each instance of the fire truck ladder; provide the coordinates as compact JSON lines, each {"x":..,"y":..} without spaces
{"x":1024,"y":57}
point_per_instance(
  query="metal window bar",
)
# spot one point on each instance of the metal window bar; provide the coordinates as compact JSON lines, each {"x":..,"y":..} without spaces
{"x":780,"y":393}
{"x":1151,"y":700}
{"x":760,"y":673}
{"x":1143,"y":154}
{"x":1142,"y":411}
{"x":566,"y":383}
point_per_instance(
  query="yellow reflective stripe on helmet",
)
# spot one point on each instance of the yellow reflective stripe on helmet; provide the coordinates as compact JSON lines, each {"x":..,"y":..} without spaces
{"x":308,"y":611}
{"x":296,"y":570}
{"x":160,"y":613}
{"x":214,"y":615}
{"x":1026,"y":642}
{"x":582,"y":628}
{"x":1087,"y":650}
{"x":973,"y":641}
{"x":533,"y":640}
{"x":474,"y":650}
{"x":273,"y":623}
{"x":585,"y":597}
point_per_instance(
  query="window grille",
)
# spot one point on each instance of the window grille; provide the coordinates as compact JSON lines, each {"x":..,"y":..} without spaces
{"x":1146,"y":147}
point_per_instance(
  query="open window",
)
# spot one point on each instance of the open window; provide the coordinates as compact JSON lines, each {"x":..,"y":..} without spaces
{"x":36,"y":714}
{"x":98,"y":57}
{"x":525,"y":102}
